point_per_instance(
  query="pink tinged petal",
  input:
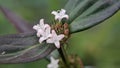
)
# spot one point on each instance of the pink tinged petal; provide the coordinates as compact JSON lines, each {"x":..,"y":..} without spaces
{"x":60,"y":37}
{"x":49,"y":40}
{"x":35,"y":27}
{"x":49,"y":66}
{"x":63,"y":11}
{"x":41,"y":22}
{"x":42,"y":25}
{"x":50,"y":35}
{"x":41,"y":39}
{"x":54,"y":33}
{"x":48,"y":30}
{"x":57,"y":44}
{"x":54,"y":12}
{"x":65,"y":16}
{"x":39,"y":33}
{"x":57,"y":17}
{"x":46,"y":26}
{"x":54,"y":61}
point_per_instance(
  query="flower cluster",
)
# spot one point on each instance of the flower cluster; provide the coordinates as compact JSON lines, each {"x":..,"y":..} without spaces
{"x":45,"y":33}
{"x":60,"y":14}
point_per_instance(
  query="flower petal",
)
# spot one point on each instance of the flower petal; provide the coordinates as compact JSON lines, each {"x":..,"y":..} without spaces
{"x":49,"y":66}
{"x":54,"y":34}
{"x":57,"y":17}
{"x":54,"y":63}
{"x":54,"y":13}
{"x":46,"y":26}
{"x":48,"y":30}
{"x":49,"y":40}
{"x":41,"y":39}
{"x":39,"y":32}
{"x":60,"y":37}
{"x":41,"y":22}
{"x":36,"y":27}
{"x":62,"y":11}
{"x":65,"y":16}
{"x":57,"y":44}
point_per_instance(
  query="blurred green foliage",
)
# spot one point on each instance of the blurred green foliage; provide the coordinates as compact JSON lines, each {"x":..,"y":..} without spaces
{"x":99,"y":46}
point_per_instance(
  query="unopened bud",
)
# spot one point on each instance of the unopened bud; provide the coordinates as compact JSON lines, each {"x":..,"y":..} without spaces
{"x":66,"y":31}
{"x":66,"y":26}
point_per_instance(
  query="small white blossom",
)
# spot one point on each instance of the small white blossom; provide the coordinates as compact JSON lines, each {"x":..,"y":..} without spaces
{"x":45,"y":35}
{"x":60,"y":14}
{"x":55,"y":39}
{"x":40,"y":27}
{"x":53,"y":64}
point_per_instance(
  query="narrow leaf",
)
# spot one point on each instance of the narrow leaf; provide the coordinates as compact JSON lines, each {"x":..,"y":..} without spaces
{"x":99,"y":5}
{"x":11,"y":48}
{"x":95,"y":15}
{"x":30,"y":54}
{"x":80,"y":8}
{"x":71,"y":4}
{"x":21,"y":24}
{"x":17,"y":41}
{"x":23,"y":47}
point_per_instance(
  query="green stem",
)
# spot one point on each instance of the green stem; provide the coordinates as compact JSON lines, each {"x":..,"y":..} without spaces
{"x":64,"y":56}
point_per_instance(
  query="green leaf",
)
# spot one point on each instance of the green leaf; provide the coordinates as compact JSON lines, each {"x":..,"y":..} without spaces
{"x":17,"y":42}
{"x":71,"y":4}
{"x":24,"y":47}
{"x":30,"y":54}
{"x":94,"y":14}
{"x":80,"y":8}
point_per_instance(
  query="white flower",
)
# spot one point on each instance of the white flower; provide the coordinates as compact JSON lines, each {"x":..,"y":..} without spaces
{"x":53,"y":64}
{"x":45,"y":35}
{"x":40,"y":27}
{"x":55,"y":39}
{"x":60,"y":14}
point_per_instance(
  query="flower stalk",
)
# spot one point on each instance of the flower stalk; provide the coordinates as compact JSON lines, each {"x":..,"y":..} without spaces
{"x":64,"y":56}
